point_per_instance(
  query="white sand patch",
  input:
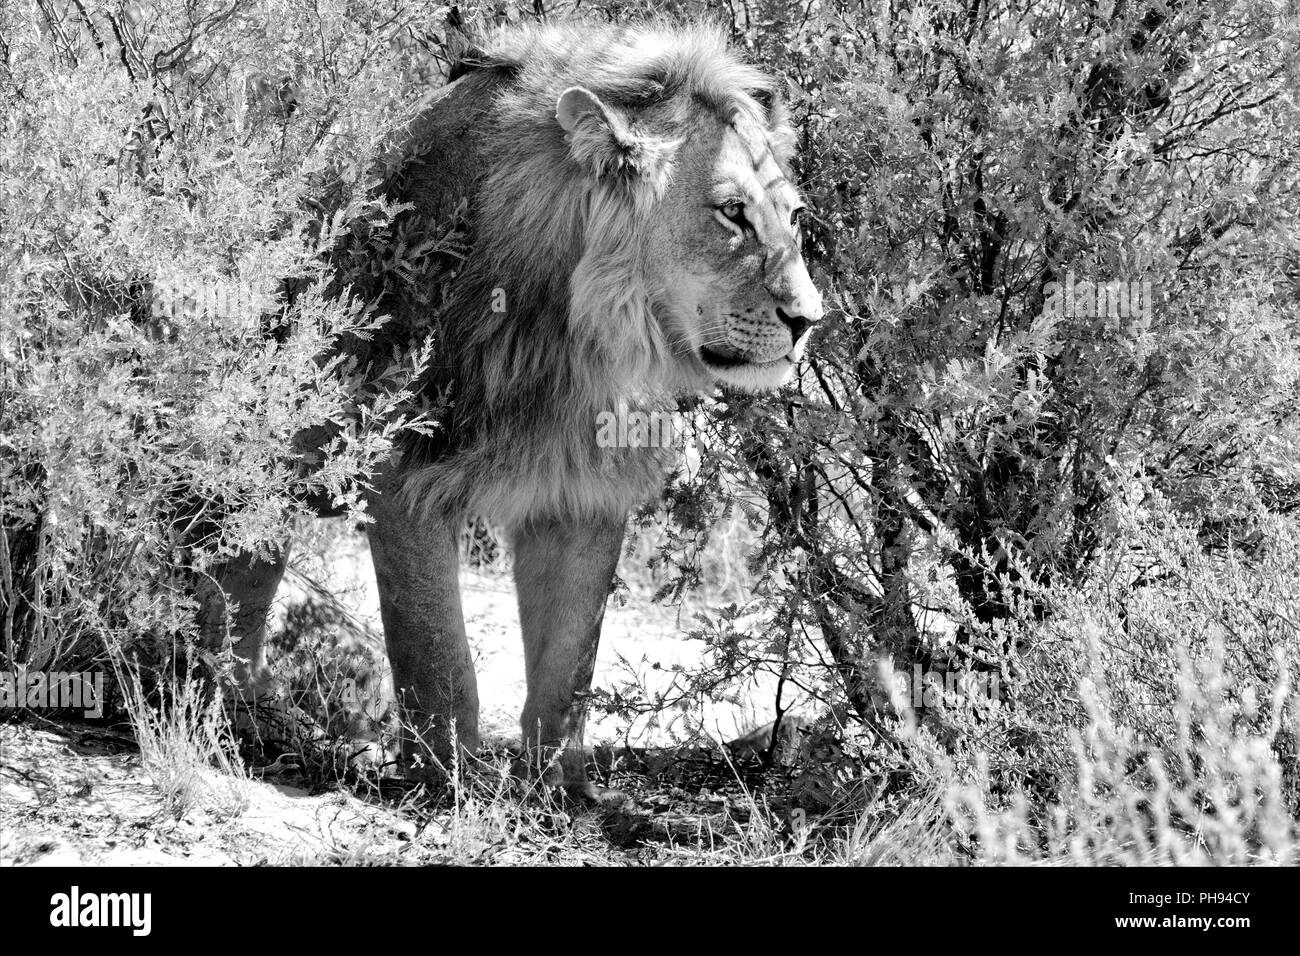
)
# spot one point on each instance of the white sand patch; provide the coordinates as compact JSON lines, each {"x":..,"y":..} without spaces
{"x":72,"y":797}
{"x":639,"y":639}
{"x":68,"y":799}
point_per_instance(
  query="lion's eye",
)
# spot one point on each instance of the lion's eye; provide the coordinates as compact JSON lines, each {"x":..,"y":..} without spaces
{"x":796,"y":217}
{"x":732,"y":215}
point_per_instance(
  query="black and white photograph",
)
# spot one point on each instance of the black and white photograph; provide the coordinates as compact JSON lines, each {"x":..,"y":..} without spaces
{"x":652,"y":434}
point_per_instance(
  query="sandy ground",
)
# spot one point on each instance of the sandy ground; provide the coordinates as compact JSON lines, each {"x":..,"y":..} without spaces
{"x":79,"y":795}
{"x":640,"y":640}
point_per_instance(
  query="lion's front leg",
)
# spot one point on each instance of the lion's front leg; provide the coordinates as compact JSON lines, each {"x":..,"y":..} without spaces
{"x":417,"y":570}
{"x":234,"y":603}
{"x":563,"y":572}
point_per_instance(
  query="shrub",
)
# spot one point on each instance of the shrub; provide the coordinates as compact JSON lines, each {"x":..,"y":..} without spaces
{"x":169,"y":174}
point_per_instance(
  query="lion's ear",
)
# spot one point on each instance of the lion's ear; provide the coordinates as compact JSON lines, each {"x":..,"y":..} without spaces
{"x":601,"y":139}
{"x":577,"y":105}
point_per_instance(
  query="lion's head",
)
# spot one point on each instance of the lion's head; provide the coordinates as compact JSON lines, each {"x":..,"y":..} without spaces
{"x":635,"y":237}
{"x":719,"y":227}
{"x":648,"y":169}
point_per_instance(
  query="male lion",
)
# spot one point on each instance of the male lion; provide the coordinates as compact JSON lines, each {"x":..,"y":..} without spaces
{"x":633,"y":237}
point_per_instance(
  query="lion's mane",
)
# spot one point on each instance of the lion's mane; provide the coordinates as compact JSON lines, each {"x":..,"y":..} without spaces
{"x":562,"y":249}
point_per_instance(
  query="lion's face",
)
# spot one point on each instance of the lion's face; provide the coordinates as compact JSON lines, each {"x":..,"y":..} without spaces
{"x":733,"y":293}
{"x":718,"y":238}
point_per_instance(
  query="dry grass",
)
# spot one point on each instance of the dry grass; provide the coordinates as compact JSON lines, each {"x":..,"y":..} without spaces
{"x":185,"y":741}
{"x":1152,"y":725}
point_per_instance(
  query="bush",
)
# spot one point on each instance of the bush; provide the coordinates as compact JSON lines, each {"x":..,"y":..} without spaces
{"x":169,"y":175}
{"x":982,"y":471}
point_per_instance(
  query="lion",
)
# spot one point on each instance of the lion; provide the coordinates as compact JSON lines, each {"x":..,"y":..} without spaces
{"x":633,"y":238}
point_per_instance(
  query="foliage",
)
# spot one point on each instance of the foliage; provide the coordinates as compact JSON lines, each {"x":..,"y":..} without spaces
{"x":976,"y":461}
{"x":979,"y":472}
{"x":163,"y":170}
{"x":955,"y":420}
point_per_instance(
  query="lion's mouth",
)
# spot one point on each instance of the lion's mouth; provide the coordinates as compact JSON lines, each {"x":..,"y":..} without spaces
{"x":719,"y":361}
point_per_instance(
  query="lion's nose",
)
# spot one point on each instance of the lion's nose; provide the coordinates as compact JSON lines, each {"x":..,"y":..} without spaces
{"x":797,"y":324}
